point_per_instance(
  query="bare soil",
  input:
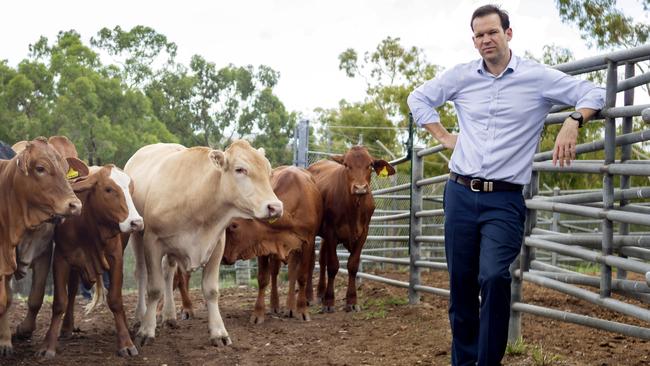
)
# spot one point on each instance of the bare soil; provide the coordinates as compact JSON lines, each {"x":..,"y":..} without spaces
{"x":387,"y":331}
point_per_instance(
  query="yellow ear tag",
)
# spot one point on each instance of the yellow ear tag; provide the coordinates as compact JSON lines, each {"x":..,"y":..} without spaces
{"x":72,"y":174}
{"x":383,"y":172}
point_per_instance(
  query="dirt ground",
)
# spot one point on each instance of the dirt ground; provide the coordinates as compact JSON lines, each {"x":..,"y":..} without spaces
{"x":387,"y":331}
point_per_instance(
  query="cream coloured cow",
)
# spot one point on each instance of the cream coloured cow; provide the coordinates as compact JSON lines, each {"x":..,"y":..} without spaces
{"x":187,"y":197}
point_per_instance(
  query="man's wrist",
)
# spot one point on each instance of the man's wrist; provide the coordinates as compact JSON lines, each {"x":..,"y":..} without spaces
{"x":571,"y":123}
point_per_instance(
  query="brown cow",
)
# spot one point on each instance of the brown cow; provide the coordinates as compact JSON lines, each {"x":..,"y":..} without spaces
{"x":344,"y":183}
{"x":35,"y":250}
{"x":33,"y":190}
{"x":91,"y":244}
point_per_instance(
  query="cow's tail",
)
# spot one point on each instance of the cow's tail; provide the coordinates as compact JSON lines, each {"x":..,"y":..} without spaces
{"x":98,"y":296}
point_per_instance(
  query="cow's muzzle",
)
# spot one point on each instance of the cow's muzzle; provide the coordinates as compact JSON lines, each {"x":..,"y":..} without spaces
{"x":360,"y":189}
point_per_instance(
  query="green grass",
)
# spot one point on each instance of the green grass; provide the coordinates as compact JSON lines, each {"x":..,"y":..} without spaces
{"x":543,"y":358}
{"x":518,"y":348}
{"x":378,"y":308}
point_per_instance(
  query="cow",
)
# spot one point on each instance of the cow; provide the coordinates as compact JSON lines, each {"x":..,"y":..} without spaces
{"x":187,"y":197}
{"x":35,"y":250}
{"x":348,"y":205}
{"x":33,"y":190}
{"x":90,"y":244}
{"x":291,"y":238}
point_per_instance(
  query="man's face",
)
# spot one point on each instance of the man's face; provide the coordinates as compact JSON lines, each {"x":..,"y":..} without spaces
{"x":490,"y":39}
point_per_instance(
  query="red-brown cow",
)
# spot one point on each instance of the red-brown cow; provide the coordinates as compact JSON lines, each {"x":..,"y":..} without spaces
{"x":344,"y":183}
{"x":33,"y":190}
{"x":290,"y":237}
{"x":91,"y":244}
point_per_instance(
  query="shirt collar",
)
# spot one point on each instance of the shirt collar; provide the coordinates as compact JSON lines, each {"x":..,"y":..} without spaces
{"x":512,"y":65}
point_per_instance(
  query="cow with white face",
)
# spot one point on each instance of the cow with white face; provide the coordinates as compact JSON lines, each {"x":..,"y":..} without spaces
{"x":88,"y":245}
{"x":187,"y":198}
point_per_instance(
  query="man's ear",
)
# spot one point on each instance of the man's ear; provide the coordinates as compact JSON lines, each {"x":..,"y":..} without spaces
{"x":382,"y":167}
{"x":218,"y":158}
{"x":337,"y":158}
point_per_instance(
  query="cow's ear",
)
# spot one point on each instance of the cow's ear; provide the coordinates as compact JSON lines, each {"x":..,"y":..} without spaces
{"x":262,"y":151}
{"x":22,"y":161}
{"x":77,"y":168}
{"x":84,"y":183}
{"x":383,"y":168}
{"x":218,"y":158}
{"x":337,"y":158}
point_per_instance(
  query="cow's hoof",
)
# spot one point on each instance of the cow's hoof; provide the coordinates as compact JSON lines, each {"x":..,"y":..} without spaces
{"x":328,"y":309}
{"x":46,"y":353}
{"x":291,"y":313}
{"x":186,"y":315}
{"x":127,"y":351}
{"x":352,"y":307}
{"x":6,"y":351}
{"x":257,"y":319}
{"x":221,"y":341}
{"x":276,"y":310}
{"x":305,"y":317}
{"x":143,"y":340}
{"x":23,"y":333}
{"x":170,"y":323}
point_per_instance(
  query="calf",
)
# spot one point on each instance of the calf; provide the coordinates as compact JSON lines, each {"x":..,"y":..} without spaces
{"x":348,"y":205}
{"x":33,"y":191}
{"x":91,"y":244}
{"x":188,"y":197}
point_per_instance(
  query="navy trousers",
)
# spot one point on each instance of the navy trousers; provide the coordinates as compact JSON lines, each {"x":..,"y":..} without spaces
{"x":483,"y":235}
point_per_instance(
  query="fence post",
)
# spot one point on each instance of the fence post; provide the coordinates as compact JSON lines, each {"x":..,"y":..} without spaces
{"x":301,"y":143}
{"x":415,"y":224}
{"x":243,"y":273}
{"x":608,"y":180}
{"x":555,"y":225}
{"x":626,"y":154}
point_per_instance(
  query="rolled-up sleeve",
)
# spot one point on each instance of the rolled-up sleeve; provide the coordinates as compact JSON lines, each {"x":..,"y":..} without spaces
{"x":561,"y":88}
{"x":424,"y":100}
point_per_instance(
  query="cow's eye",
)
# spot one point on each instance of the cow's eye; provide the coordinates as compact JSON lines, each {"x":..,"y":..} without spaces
{"x":108,"y":190}
{"x":40,"y":169}
{"x":241,"y":171}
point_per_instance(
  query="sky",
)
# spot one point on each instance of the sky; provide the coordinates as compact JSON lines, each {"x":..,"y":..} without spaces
{"x":301,"y":39}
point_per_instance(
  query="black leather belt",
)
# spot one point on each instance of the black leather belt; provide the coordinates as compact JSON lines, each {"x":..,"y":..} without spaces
{"x":483,"y":185}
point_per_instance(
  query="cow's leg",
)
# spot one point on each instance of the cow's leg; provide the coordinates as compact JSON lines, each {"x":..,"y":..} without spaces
{"x":155,"y":285}
{"x":40,"y":270}
{"x":183,"y":288}
{"x":310,"y":271}
{"x":292,"y":274}
{"x":322,"y":279}
{"x":274,"y":269}
{"x":353,"y":268}
{"x":6,"y":348}
{"x":304,"y":268}
{"x":169,"y":267}
{"x":262,"y":281}
{"x":125,"y":346}
{"x":61,"y":273}
{"x":68,"y":318}
{"x":210,"y":285}
{"x":329,"y":246}
{"x":136,"y":240}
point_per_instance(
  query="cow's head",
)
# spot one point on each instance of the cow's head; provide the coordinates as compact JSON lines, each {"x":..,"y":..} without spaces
{"x":359,"y":164}
{"x":246,"y":178}
{"x":109,"y":197}
{"x":246,"y":239}
{"x":42,"y":179}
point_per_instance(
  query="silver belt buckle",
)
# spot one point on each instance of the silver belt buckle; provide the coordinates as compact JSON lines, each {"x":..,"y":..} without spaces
{"x":478,"y":184}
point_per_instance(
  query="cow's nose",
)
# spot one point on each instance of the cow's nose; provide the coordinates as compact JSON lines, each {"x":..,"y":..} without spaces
{"x":360,"y":188}
{"x":275,"y":209}
{"x":137,"y":224}
{"x":74,"y":207}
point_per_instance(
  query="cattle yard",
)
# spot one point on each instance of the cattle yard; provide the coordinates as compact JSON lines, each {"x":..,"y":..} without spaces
{"x":580,"y":289}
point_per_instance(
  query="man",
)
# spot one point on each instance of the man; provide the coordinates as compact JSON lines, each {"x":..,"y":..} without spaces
{"x":501,"y":101}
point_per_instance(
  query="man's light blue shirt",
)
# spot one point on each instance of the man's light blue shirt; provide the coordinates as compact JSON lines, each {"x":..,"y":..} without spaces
{"x":500,"y":117}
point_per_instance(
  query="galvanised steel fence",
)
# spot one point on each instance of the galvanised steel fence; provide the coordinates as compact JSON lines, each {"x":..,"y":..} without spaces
{"x":569,"y":233}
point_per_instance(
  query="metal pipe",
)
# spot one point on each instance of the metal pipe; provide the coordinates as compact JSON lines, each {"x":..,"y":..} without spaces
{"x":614,"y":215}
{"x":625,"y":139}
{"x":619,"y":194}
{"x":417,"y":172}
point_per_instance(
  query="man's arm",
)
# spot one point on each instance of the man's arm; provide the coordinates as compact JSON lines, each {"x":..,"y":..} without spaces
{"x":565,"y":143}
{"x":440,"y":133}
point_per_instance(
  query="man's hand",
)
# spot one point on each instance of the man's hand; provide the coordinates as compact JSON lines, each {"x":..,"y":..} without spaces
{"x":565,"y":143}
{"x":440,"y":133}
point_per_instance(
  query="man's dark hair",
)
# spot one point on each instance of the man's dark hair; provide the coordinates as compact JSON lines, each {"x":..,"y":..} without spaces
{"x":491,"y":9}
